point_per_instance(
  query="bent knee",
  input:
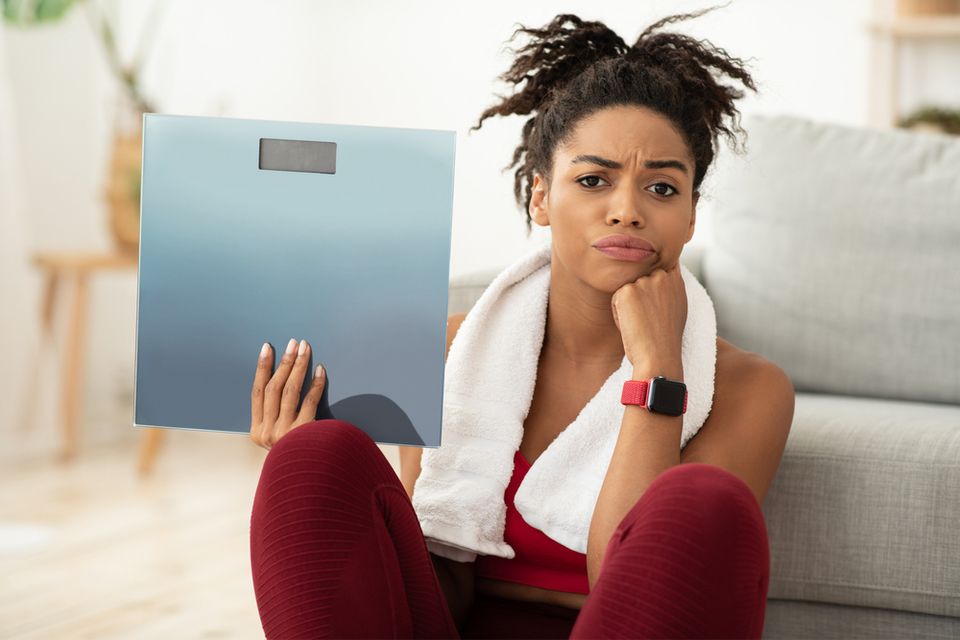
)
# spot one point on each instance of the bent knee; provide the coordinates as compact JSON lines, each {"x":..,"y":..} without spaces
{"x":706,"y":488}
{"x":321,"y":437}
{"x":703,"y":499}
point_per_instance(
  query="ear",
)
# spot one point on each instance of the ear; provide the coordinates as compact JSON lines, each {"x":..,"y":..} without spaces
{"x":538,"y":201}
{"x":693,"y":217}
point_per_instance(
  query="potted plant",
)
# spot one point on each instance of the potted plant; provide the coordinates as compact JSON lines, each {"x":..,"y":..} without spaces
{"x":122,"y":189}
{"x":931,"y":118}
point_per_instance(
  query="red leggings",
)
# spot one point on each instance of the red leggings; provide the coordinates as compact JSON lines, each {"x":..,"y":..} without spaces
{"x":337,"y":551}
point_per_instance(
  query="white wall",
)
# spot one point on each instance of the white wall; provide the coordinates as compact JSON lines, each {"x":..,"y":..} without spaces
{"x":409,"y":64}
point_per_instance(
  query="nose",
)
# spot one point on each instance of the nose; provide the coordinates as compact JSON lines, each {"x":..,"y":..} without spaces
{"x":625,"y":205}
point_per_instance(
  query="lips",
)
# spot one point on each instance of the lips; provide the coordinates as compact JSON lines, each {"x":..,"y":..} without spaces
{"x":626,"y":253}
{"x":624,"y":241}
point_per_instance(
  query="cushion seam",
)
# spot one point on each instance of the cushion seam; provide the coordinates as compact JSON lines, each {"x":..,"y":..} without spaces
{"x":872,"y":588}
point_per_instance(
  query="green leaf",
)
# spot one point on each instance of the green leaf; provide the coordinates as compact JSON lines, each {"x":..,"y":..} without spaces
{"x":25,"y":12}
{"x":48,"y":10}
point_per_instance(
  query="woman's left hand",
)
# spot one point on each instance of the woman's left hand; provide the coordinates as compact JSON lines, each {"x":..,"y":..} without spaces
{"x":650,"y":313}
{"x":275,"y":397}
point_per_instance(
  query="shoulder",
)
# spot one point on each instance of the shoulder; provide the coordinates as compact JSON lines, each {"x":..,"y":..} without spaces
{"x":738,"y":368}
{"x":453,"y":325}
{"x":454,"y":321}
{"x":749,"y":421}
{"x":746,"y":383}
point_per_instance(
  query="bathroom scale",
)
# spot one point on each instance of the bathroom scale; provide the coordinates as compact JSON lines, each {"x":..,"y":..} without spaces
{"x":256,"y":231}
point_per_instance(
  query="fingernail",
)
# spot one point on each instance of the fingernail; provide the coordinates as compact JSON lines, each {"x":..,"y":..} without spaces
{"x":303,"y":347}
{"x":318,"y":371}
{"x":291,"y":345}
{"x":264,"y":349}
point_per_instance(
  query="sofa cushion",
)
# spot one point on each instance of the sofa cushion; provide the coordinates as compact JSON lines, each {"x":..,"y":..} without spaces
{"x":863,"y":509}
{"x":835,"y":253}
{"x":798,"y":620}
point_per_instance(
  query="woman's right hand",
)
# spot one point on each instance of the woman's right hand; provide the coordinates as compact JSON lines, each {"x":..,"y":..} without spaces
{"x":275,"y":395}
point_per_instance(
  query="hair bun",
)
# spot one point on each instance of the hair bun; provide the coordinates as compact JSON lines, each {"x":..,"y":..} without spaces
{"x":557,"y":54}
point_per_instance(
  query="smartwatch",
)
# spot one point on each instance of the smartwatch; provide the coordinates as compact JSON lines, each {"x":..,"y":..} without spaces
{"x":659,"y":395}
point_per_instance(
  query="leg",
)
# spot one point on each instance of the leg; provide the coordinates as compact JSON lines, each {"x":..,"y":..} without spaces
{"x":496,"y":617}
{"x":689,"y":560}
{"x":74,"y":367}
{"x":336,"y":548}
{"x":456,"y":579}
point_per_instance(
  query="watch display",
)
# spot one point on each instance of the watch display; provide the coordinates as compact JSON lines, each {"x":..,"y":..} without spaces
{"x":667,"y":396}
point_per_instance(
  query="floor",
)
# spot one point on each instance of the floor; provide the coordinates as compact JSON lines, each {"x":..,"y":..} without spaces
{"x":90,"y":550}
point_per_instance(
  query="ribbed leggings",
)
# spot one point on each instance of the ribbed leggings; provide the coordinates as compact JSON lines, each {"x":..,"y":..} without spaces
{"x":337,"y":551}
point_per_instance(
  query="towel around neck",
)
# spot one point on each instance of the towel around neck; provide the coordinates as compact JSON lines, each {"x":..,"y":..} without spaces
{"x":489,"y":380}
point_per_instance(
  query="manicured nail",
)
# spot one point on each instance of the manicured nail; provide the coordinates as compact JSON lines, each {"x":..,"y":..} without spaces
{"x":291,"y":345}
{"x":303,"y":347}
{"x":264,"y":350}
{"x":318,"y":371}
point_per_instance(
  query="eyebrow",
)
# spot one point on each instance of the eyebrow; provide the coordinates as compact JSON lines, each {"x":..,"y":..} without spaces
{"x":613,"y":164}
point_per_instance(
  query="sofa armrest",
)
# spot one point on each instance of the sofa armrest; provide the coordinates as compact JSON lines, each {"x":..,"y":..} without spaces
{"x":466,"y":289}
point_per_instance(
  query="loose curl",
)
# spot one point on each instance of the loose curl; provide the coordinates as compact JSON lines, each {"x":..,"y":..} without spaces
{"x":571,"y":72}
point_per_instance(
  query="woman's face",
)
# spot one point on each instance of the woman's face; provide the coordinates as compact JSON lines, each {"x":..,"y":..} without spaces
{"x":609,"y":179}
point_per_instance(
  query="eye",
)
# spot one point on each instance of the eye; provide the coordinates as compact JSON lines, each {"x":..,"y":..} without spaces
{"x":669,"y":186}
{"x":589,"y":178}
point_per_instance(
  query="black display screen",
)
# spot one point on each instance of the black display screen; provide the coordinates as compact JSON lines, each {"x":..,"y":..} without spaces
{"x":667,"y":396}
{"x":298,"y":155}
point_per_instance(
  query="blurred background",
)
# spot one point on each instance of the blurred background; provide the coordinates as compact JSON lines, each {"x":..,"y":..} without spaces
{"x":107,"y":530}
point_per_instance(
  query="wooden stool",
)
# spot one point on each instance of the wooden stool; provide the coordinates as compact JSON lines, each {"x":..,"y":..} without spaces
{"x":58,"y":266}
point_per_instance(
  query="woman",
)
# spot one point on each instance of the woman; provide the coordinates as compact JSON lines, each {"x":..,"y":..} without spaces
{"x":620,"y":143}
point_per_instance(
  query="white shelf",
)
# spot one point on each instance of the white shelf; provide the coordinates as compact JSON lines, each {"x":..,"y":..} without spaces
{"x":889,"y":35}
{"x":921,"y":27}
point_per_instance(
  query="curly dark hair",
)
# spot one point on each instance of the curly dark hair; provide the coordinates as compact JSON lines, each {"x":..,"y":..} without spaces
{"x":573,"y":72}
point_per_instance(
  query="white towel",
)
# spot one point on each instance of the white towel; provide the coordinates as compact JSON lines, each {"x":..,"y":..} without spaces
{"x":488,"y":386}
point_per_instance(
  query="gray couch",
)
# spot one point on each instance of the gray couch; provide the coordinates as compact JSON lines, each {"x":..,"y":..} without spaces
{"x":835,"y":253}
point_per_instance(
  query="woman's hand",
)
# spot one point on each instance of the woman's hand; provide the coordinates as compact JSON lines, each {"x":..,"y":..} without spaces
{"x":275,"y":397}
{"x":650,"y":313}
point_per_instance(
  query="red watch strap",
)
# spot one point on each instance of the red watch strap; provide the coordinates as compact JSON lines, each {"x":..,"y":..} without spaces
{"x":635,"y":392}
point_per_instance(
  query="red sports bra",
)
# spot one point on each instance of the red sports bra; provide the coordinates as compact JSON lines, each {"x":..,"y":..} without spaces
{"x":539,"y":560}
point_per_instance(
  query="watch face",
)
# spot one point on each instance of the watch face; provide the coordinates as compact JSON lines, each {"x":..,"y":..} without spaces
{"x":666,"y":396}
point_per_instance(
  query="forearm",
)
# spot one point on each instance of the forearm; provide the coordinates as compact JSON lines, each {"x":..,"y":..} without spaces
{"x":648,"y":444}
